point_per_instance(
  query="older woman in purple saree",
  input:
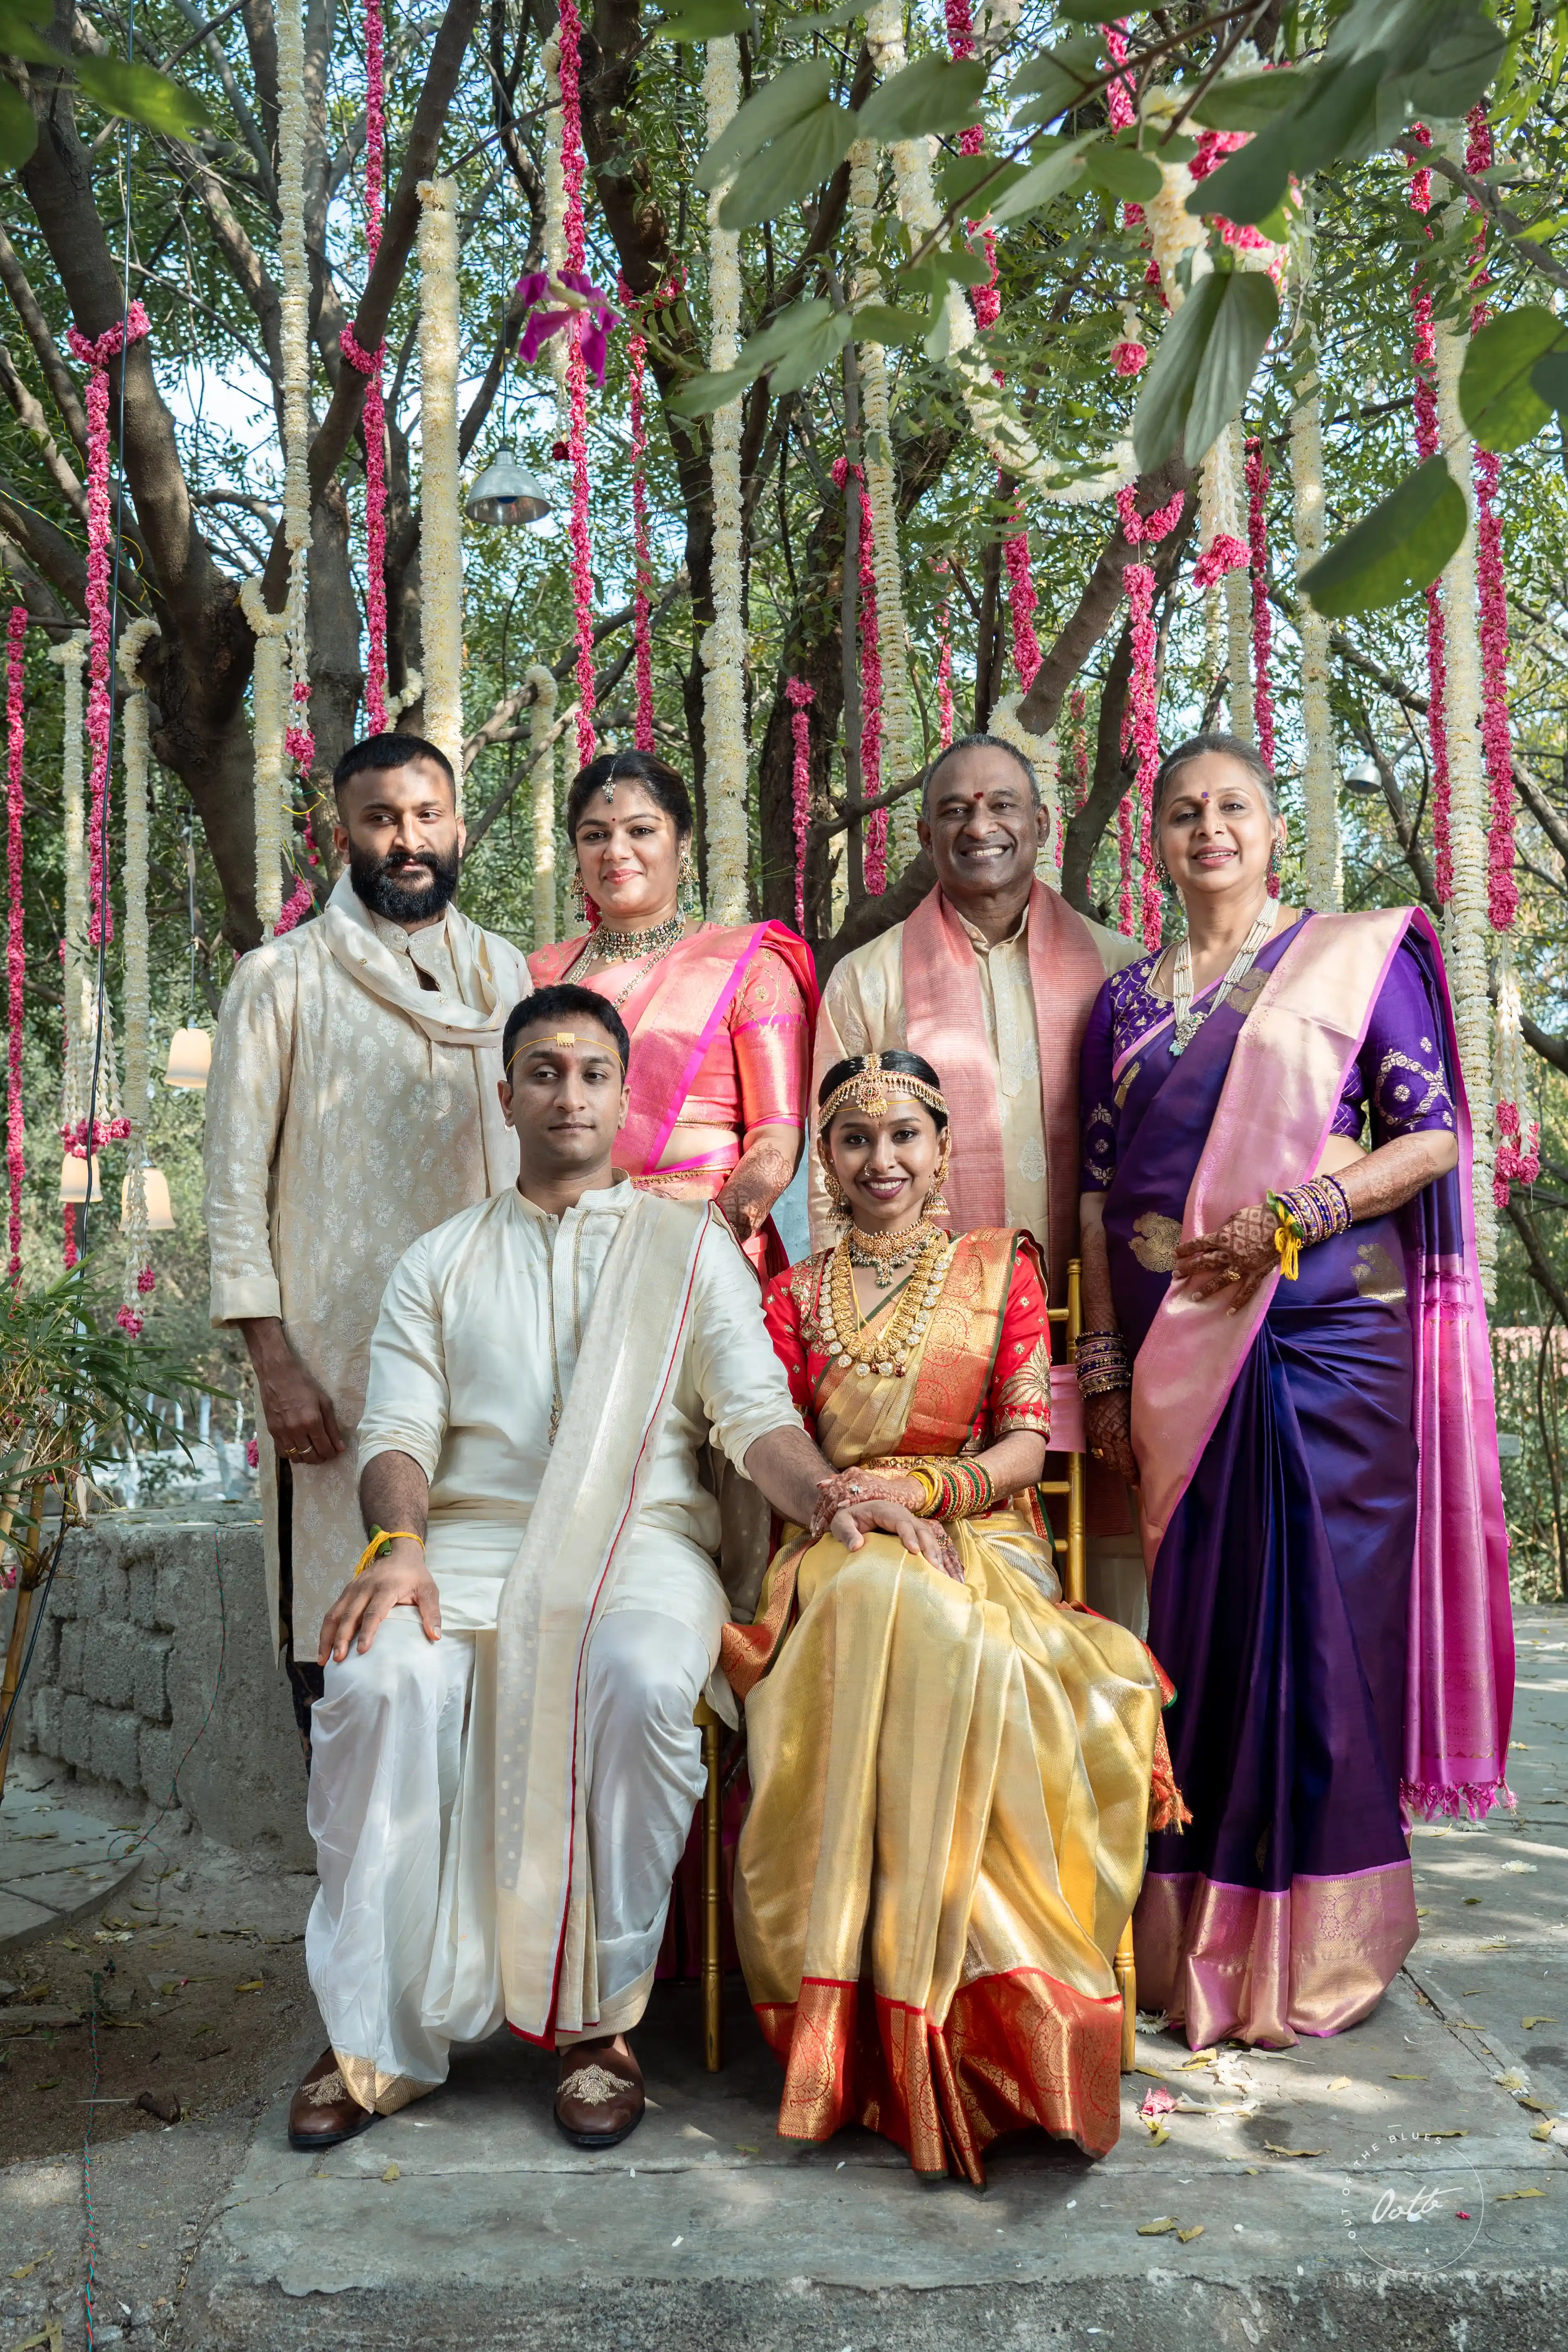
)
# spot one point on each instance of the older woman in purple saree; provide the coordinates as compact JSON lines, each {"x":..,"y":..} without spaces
{"x":1287,"y":1352}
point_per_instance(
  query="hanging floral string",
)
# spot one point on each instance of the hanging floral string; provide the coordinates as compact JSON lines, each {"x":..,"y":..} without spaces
{"x":293,"y":336}
{"x":1040,"y":751}
{"x":1075,"y":767}
{"x":542,"y":765}
{"x":268,"y":726}
{"x":94,"y":353}
{"x":723,"y":646}
{"x":368,"y":363}
{"x":642,"y":555}
{"x":441,"y":495}
{"x":876,"y":853}
{"x":943,"y":664}
{"x":1321,"y":853}
{"x":1142,"y":718}
{"x":15,"y":948}
{"x":138,"y":1276}
{"x":1022,"y":601}
{"x":1258,"y":481}
{"x":986,"y":299}
{"x":572,"y":169}
{"x":800,"y":697}
{"x":1423,"y":363}
{"x":1467,"y":931}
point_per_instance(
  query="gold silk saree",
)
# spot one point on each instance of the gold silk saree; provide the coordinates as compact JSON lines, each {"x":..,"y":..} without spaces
{"x":951,"y":1782}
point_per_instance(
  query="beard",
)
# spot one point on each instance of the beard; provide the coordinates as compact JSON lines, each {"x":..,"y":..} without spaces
{"x":377,"y":881}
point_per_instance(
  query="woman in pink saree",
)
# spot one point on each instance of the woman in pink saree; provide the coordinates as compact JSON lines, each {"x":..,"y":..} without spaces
{"x":720,"y":1015}
{"x":1288,"y":1352}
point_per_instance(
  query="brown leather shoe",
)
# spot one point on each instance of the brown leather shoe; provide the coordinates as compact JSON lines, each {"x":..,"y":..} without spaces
{"x":599,"y":2098}
{"x":321,"y":2112}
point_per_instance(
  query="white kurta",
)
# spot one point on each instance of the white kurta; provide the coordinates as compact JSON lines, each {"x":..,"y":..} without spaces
{"x":349,"y":1109}
{"x":402,"y":1943}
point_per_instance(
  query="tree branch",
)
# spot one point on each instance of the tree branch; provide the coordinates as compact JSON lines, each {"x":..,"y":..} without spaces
{"x":1539,"y":1265}
{"x":57,"y":375}
{"x":31,"y":412}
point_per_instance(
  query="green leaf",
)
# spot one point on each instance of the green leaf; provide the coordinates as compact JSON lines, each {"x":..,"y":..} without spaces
{"x":1122,"y":171}
{"x":810,"y":352}
{"x":1041,"y":182}
{"x":1550,"y":377}
{"x":1457,"y":69}
{"x":1248,"y":314}
{"x":701,"y":20}
{"x":1498,"y":398}
{"x":775,"y":108}
{"x":713,"y":389}
{"x":925,"y":98}
{"x":142,"y":95}
{"x":822,"y":20}
{"x":950,"y":265}
{"x":1248,"y":186}
{"x":1081,"y":12}
{"x":1053,"y":83}
{"x":1399,"y":548}
{"x":1167,"y":396}
{"x":1252,"y":102}
{"x":789,"y":167}
{"x":18,"y":128}
{"x":22,"y":27}
{"x":958,"y":175}
{"x":879,"y":323}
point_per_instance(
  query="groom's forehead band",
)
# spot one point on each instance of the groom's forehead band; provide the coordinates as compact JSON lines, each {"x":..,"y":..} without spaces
{"x":605,"y":1042}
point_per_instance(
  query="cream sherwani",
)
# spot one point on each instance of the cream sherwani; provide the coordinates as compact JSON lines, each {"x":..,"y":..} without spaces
{"x":573,"y":1648}
{"x":351,"y":1108}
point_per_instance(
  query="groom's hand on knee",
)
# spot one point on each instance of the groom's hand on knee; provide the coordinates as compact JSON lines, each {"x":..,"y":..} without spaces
{"x":398,"y":1579}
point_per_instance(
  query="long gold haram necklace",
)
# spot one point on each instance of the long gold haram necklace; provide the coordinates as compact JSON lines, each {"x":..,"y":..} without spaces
{"x":1189,"y":1022}
{"x":844,"y":1333}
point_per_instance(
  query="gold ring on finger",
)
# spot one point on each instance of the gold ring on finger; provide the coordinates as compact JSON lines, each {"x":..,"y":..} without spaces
{"x":1231,"y":1274}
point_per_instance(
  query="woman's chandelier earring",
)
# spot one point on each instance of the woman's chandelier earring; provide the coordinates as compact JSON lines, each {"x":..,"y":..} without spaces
{"x":837,"y":1206}
{"x":935,"y":1205}
{"x":1276,"y":856}
{"x":579,"y":895}
{"x":1162,"y":873}
{"x":686,"y":883}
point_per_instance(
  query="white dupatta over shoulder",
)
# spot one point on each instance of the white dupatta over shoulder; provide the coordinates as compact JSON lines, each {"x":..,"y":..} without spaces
{"x":556,"y":1590}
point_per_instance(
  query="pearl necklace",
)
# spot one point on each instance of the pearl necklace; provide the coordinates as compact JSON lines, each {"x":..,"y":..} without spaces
{"x":1189,"y":1022}
{"x":843,"y":1331}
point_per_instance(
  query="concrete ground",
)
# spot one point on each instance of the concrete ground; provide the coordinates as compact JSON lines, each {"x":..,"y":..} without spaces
{"x":1409,"y":2178}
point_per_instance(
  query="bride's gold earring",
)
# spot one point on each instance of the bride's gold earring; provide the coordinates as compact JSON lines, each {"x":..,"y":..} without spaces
{"x":935,"y":1205}
{"x":837,"y":1206}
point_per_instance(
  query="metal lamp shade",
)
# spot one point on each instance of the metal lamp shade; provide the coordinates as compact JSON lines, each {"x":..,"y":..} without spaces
{"x":156,"y":1194}
{"x":73,"y":1182}
{"x":507,"y":492}
{"x":189,"y":1058}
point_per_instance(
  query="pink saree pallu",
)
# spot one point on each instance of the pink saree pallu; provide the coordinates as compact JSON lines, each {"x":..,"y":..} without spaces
{"x":1322,"y":1514}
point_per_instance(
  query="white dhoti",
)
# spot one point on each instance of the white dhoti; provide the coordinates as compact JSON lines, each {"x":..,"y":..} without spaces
{"x":401,"y":1943}
{"x":430,"y":1927}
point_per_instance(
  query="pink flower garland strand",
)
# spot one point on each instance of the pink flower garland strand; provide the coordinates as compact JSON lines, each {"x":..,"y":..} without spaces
{"x":1423,"y":362}
{"x":15,"y":949}
{"x":943,"y":665}
{"x":876,"y":861}
{"x":1142,"y":727}
{"x":1022,"y":601}
{"x":95,"y":353}
{"x":569,"y":33}
{"x":1502,"y":893}
{"x":800,"y":697}
{"x":1258,"y":481}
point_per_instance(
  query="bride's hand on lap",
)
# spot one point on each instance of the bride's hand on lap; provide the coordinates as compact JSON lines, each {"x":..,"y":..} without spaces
{"x":1108,"y":1425}
{"x":399,"y":1578}
{"x":1236,"y":1256}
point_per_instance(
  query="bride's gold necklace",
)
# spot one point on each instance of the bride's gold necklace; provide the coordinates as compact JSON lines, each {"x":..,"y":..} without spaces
{"x":847,"y":1339}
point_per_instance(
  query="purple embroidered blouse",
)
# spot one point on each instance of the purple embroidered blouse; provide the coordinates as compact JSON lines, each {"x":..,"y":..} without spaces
{"x":1398,"y":1083}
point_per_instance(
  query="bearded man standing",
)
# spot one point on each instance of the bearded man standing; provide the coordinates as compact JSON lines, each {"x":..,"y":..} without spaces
{"x":992,"y":980}
{"x":351,"y":1107}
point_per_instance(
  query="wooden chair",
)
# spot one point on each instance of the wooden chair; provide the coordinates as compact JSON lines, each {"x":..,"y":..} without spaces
{"x":1067,"y":1437}
{"x":1066,"y":1419}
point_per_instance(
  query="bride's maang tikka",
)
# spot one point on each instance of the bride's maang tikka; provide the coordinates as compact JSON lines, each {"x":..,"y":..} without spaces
{"x":872,"y":1088}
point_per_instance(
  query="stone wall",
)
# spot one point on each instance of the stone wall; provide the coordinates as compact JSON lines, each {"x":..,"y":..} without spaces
{"x":154,"y":1617}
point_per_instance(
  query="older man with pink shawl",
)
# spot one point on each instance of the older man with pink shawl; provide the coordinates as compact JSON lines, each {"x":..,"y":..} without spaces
{"x":993,"y":978}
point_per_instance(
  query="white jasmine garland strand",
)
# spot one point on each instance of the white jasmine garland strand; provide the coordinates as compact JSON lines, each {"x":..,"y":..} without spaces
{"x":542,"y":747}
{"x":137,"y":1001}
{"x":1322,"y":854}
{"x":555,"y":221}
{"x":724,"y":645}
{"x":78,"y":999}
{"x":441,"y":524}
{"x":1040,"y":751}
{"x":1511,"y":1069}
{"x":268,"y":721}
{"x":293,"y":331}
{"x":1466,"y":928}
{"x":1237,"y":588}
{"x":881,"y":491}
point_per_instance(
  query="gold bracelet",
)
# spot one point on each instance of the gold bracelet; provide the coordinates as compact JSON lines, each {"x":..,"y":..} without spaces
{"x":379,"y":1539}
{"x":929,"y":1488}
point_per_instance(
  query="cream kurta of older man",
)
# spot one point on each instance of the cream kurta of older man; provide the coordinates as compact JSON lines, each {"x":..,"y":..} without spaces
{"x":351,"y":1109}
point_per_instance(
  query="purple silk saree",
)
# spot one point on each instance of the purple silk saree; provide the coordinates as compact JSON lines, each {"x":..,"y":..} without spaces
{"x":1322,"y":1513}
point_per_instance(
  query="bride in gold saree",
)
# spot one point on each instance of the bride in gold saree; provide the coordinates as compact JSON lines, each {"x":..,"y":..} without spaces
{"x":951,"y":1771}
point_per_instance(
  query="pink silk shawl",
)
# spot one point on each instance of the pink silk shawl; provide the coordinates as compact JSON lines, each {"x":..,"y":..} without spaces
{"x":944,"y":1021}
{"x":1286,"y":1074}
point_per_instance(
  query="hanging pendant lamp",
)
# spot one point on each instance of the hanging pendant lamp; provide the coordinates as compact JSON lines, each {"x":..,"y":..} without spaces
{"x":189,"y":1058}
{"x":507,"y":492}
{"x":155,"y":1195}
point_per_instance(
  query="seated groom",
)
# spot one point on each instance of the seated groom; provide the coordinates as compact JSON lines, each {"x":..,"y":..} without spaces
{"x":992,"y":980}
{"x":504,"y":1758}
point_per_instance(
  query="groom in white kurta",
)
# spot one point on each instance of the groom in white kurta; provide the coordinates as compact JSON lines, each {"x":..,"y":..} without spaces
{"x":505,"y":1761}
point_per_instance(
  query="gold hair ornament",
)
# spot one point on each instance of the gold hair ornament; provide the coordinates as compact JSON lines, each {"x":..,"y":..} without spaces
{"x":872,"y":1088}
